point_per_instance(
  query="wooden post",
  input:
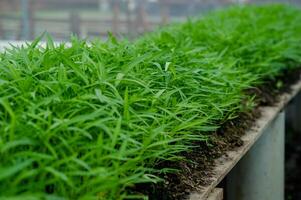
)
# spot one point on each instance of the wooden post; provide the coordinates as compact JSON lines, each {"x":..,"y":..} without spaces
{"x":141,"y":20}
{"x":75,"y":23}
{"x":27,"y":20}
{"x":164,"y":11}
{"x":31,"y":20}
{"x":129,"y":18}
{"x":25,"y":32}
{"x":116,"y":13}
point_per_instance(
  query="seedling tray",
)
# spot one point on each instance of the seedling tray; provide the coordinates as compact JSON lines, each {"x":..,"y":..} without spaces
{"x":223,"y":165}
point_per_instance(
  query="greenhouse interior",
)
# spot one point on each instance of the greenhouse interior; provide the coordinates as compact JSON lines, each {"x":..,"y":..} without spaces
{"x":150,"y":99}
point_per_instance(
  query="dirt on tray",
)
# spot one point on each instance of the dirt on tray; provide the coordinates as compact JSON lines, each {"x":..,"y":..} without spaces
{"x":195,"y":170}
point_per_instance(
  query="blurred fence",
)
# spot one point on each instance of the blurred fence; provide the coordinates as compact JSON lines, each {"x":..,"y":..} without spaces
{"x":26,"y":19}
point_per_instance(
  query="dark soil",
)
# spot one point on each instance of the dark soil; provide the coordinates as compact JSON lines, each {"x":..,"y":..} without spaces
{"x":195,"y":169}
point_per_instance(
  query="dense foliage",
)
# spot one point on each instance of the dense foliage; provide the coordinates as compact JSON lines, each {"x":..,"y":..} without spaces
{"x":88,"y":121}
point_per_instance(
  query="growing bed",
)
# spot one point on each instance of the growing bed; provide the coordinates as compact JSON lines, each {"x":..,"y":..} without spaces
{"x":271,"y":120}
{"x":120,"y":120}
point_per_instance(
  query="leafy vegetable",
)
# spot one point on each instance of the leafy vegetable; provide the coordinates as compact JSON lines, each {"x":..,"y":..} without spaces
{"x":91,"y":120}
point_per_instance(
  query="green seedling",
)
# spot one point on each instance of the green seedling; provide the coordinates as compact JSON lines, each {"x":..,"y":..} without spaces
{"x":90,"y":120}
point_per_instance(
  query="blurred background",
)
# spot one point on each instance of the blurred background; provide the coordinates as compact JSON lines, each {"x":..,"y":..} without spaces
{"x":26,"y":19}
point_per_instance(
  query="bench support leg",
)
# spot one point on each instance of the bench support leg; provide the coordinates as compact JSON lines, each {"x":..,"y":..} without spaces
{"x":260,"y":173}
